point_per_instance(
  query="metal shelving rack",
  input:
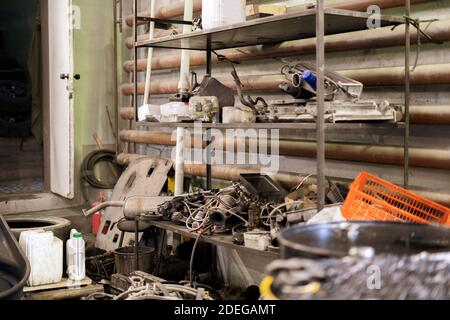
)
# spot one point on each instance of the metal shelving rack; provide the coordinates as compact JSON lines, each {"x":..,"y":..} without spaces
{"x":316,"y":22}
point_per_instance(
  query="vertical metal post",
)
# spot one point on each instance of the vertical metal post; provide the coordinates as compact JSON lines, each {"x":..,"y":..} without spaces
{"x":208,"y":160}
{"x":208,"y":132}
{"x":136,"y":242}
{"x":320,"y":122}
{"x":407,"y":92}
{"x":135,"y":75}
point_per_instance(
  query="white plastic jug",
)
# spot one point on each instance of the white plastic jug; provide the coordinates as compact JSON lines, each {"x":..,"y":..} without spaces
{"x":216,"y":13}
{"x":75,"y":256}
{"x":45,"y":254}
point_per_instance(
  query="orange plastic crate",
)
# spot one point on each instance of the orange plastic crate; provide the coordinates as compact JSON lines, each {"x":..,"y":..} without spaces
{"x":372,"y":198}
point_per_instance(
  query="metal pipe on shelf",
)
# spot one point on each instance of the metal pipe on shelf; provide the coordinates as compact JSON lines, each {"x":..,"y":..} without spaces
{"x":388,"y":76}
{"x":286,"y":179}
{"x":392,"y":155}
{"x":359,"y":40}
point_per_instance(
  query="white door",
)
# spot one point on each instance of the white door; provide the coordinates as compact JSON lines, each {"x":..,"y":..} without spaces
{"x":61,"y":129}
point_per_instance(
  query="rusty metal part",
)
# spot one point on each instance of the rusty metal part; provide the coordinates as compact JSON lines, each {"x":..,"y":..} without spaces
{"x":419,"y":157}
{"x":432,"y":114}
{"x":286,"y":179}
{"x":388,"y":76}
{"x":137,"y":205}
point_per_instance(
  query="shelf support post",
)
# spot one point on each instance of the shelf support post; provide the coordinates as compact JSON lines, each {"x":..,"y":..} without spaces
{"x":208,"y":131}
{"x":320,"y":121}
{"x":407,"y":92}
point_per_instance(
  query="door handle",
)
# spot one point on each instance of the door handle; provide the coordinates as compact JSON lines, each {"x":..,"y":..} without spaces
{"x":66,"y":76}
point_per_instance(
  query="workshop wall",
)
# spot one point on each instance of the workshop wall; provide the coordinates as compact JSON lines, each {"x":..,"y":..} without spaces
{"x":94,"y":61}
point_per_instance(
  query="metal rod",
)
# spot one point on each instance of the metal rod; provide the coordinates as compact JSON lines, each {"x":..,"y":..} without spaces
{"x":209,"y":58}
{"x":407,"y":92}
{"x":135,"y":75}
{"x":208,"y":132}
{"x":208,"y":161}
{"x":165,"y":21}
{"x":136,"y":242}
{"x":116,"y":80}
{"x":320,"y":61}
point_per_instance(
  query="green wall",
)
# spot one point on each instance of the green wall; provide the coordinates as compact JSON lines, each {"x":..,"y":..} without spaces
{"x":94,"y":61}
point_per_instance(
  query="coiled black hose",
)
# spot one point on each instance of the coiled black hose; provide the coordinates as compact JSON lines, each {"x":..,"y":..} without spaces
{"x":89,"y":163}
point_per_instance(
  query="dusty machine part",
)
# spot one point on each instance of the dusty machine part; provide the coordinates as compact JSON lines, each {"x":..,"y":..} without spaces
{"x":342,"y":99}
{"x":204,"y":109}
{"x":19,"y":223}
{"x":143,"y":177}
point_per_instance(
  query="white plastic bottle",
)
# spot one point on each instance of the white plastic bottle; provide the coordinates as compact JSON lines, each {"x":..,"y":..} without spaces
{"x":75,"y":256}
{"x":216,"y":13}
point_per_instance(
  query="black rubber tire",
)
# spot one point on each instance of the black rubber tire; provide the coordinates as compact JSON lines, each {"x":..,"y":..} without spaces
{"x":15,"y":97}
{"x":59,"y":226}
{"x":15,"y":74}
{"x":11,"y":129}
{"x":7,"y":63}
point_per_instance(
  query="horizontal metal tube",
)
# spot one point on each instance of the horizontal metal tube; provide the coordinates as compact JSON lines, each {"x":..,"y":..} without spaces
{"x":286,"y":179}
{"x":103,"y":205}
{"x":166,"y":12}
{"x":431,"y":114}
{"x":360,"y":40}
{"x":389,"y":76}
{"x":419,"y":157}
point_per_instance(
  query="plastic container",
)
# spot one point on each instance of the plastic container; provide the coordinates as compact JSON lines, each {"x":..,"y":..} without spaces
{"x":14,"y":266}
{"x":125,"y":260}
{"x":45,"y":254}
{"x":339,"y":239}
{"x":75,"y":256}
{"x":217,"y":13}
{"x":372,"y":198}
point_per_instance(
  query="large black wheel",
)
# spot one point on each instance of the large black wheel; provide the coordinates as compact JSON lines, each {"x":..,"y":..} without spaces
{"x":15,"y":126}
{"x":15,"y":97}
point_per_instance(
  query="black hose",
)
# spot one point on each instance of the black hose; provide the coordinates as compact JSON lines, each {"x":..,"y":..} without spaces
{"x":89,"y":163}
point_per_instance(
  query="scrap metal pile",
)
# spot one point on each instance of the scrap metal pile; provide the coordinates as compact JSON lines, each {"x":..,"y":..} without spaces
{"x":143,"y":286}
{"x":417,"y":277}
{"x":256,"y":207}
